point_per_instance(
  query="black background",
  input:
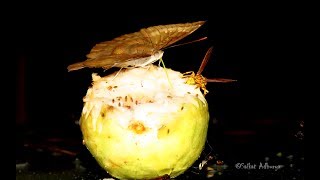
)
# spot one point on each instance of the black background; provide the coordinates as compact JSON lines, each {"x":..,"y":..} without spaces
{"x":255,"y":117}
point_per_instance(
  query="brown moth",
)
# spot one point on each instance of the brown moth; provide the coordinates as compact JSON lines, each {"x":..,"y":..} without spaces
{"x":200,"y":81}
{"x":136,"y":49}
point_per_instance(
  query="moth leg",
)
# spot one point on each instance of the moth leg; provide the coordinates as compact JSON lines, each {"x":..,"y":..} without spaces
{"x":159,"y":63}
{"x":117,"y":74}
{"x":148,"y":67}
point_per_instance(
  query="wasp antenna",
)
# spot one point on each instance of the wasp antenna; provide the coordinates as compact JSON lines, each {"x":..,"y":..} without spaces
{"x":221,"y":80}
{"x":205,"y":60}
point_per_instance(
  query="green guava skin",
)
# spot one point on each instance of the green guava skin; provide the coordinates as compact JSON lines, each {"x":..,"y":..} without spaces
{"x":176,"y":147}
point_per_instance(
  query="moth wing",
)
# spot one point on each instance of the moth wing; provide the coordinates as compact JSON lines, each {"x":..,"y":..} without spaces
{"x":135,"y":45}
{"x":162,"y":36}
{"x":106,"y":61}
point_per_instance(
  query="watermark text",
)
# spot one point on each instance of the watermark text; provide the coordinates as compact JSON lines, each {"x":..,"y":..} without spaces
{"x":261,"y":165}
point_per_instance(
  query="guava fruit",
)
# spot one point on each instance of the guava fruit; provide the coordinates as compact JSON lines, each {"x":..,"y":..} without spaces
{"x":144,"y":123}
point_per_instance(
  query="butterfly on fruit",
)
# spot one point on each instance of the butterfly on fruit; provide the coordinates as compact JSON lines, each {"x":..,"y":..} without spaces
{"x":136,"y":49}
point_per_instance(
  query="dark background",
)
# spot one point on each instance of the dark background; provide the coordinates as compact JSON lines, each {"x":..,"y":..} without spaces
{"x":258,"y":116}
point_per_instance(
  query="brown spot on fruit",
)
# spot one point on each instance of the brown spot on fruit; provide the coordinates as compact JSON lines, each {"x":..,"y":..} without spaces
{"x":109,"y":108}
{"x":163,"y":132}
{"x":113,"y":164}
{"x":105,"y":109}
{"x":137,"y":127}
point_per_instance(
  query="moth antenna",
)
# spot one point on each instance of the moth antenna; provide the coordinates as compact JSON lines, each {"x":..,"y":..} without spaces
{"x":197,"y":40}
